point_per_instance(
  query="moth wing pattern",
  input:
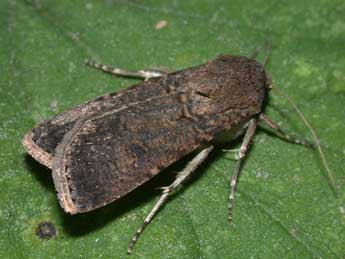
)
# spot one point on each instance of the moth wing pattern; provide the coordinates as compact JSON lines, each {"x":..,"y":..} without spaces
{"x":41,"y":141}
{"x":105,"y":156}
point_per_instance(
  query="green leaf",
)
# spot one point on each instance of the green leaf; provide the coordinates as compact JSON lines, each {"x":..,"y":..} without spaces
{"x":285,"y":207}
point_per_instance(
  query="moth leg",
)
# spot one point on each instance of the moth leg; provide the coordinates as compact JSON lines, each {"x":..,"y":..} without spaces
{"x":145,"y":74}
{"x":181,"y":177}
{"x":241,"y":155}
{"x":270,"y":123}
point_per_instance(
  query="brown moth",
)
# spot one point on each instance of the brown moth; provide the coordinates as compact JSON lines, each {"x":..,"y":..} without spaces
{"x":105,"y":148}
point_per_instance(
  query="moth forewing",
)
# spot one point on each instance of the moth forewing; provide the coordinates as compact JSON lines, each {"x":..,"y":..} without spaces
{"x":108,"y":154}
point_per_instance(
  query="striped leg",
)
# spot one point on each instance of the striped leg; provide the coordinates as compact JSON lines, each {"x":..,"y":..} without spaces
{"x":241,"y":155}
{"x":270,"y":123}
{"x":145,"y":74}
{"x":169,"y":190}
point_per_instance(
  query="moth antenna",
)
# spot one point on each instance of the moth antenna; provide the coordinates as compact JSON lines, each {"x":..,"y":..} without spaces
{"x":255,"y":53}
{"x":315,"y":137}
{"x":268,"y":52}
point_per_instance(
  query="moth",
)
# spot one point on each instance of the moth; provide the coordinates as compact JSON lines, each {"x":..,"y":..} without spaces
{"x":101,"y":150}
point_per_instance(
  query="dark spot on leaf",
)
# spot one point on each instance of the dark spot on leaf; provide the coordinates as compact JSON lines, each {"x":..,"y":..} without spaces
{"x":46,"y":230}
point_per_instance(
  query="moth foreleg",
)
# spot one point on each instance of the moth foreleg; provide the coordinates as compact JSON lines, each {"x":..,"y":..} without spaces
{"x":181,"y":177}
{"x":144,"y":74}
{"x":285,"y":136}
{"x":241,"y":155}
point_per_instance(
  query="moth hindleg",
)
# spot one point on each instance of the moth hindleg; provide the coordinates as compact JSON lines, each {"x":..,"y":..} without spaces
{"x":181,"y":177}
{"x":145,"y":74}
{"x":270,"y":123}
{"x":241,"y":155}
